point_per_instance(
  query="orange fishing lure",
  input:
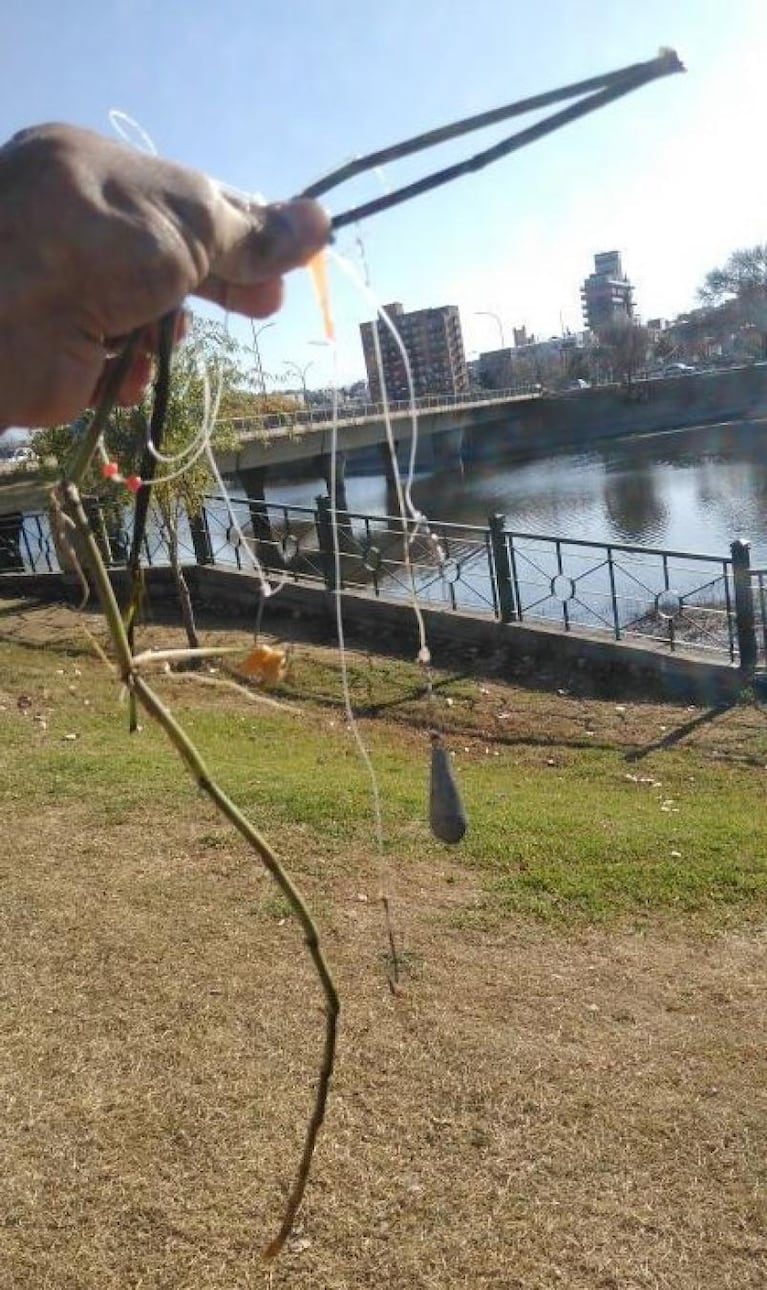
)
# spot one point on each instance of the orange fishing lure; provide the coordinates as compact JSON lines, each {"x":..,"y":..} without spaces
{"x":265,"y":663}
{"x":318,"y":271}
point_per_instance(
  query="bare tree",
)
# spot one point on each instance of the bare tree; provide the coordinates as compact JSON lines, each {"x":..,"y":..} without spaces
{"x":742,"y":280}
{"x":623,"y":346}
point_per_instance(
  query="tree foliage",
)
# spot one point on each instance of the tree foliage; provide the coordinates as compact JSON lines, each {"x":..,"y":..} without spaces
{"x":743,"y":276}
{"x":206,"y":363}
{"x":207,"y":349}
{"x":742,"y":282}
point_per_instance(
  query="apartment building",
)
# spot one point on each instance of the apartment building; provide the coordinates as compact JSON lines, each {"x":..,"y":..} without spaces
{"x":434,"y":345}
{"x":607,"y":295}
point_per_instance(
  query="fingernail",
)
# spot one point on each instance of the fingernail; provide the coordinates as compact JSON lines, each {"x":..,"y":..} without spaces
{"x":299,"y":227}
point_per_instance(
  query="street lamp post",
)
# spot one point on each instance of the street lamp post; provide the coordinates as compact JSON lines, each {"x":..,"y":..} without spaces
{"x":257,"y":352}
{"x":487,"y":313}
{"x":301,"y":371}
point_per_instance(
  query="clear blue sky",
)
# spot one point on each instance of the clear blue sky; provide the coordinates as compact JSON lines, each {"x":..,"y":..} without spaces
{"x":268,"y":95}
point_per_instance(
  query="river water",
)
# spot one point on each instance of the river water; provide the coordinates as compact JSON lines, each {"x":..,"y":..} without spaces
{"x":690,"y":490}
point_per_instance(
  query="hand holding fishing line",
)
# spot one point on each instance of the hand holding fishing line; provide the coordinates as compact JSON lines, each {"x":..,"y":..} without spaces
{"x":98,"y":240}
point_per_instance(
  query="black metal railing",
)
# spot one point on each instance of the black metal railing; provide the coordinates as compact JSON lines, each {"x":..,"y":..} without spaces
{"x":680,"y":599}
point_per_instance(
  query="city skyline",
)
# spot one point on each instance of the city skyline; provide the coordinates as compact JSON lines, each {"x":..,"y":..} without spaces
{"x":670,"y":176}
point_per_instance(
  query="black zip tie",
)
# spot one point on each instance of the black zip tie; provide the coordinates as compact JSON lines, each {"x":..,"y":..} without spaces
{"x":601,"y":90}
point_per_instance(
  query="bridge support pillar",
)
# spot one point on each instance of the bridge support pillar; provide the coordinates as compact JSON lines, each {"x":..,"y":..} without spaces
{"x":387,"y":469}
{"x":447,"y":449}
{"x":324,"y":464}
{"x":253,"y":481}
{"x":345,"y":536}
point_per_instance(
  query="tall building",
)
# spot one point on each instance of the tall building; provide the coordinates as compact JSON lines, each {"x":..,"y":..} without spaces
{"x":434,"y":346}
{"x":607,"y":294}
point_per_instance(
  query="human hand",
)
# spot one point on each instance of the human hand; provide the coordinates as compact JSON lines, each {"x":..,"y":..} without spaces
{"x":97,"y":240}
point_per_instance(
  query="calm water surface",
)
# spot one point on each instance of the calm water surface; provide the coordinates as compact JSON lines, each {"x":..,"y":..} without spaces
{"x":691,"y":490}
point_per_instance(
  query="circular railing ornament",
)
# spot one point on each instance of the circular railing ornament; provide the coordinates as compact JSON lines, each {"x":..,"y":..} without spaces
{"x":371,"y":558}
{"x":668,"y":605}
{"x":288,"y":548}
{"x":451,"y":571}
{"x":563,"y":587}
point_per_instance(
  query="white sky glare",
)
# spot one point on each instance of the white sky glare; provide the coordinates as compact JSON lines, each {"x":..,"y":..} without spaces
{"x":268,"y":97}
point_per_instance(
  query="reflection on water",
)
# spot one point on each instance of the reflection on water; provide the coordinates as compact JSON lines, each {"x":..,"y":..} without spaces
{"x":690,"y":490}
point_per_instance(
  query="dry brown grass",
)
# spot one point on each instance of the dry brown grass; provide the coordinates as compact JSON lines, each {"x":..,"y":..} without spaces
{"x":539,"y":1109}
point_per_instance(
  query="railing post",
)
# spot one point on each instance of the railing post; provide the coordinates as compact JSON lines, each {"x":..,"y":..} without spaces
{"x":11,"y":529}
{"x":503,"y":579}
{"x":324,"y":522}
{"x":200,"y":535}
{"x":95,"y":514}
{"x":744,"y":606}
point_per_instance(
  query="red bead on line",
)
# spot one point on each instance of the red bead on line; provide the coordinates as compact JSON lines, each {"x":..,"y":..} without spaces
{"x":133,"y":482}
{"x":109,"y":469}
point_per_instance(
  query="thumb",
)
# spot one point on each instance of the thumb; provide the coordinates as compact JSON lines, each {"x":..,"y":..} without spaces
{"x":261,"y":242}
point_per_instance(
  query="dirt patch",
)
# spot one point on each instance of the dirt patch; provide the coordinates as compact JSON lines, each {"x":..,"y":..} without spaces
{"x":533,"y":1110}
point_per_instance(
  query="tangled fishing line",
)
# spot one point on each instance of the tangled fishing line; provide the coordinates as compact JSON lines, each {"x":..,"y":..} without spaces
{"x":447,"y":817}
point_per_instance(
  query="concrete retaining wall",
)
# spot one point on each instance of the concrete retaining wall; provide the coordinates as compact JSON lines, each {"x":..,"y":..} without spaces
{"x":388,"y":627}
{"x":581,"y":417}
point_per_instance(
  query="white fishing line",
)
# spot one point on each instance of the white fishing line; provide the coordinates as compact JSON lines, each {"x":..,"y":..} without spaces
{"x":351,"y":719}
{"x":265,"y":586}
{"x":412,"y":519}
{"x":131,"y":132}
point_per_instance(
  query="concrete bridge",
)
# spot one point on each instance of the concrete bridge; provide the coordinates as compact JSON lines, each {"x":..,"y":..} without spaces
{"x":282,"y":441}
{"x":450,"y":428}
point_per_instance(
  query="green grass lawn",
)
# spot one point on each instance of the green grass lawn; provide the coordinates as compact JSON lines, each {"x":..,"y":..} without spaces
{"x":565,"y":823}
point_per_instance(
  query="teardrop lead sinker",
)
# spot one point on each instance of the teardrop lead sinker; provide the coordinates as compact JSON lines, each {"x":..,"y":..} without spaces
{"x":447,"y":818}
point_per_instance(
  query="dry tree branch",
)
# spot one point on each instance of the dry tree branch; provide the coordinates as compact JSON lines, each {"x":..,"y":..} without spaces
{"x":69,"y":498}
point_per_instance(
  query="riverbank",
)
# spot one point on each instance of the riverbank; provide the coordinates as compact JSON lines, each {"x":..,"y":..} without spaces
{"x":581,"y":418}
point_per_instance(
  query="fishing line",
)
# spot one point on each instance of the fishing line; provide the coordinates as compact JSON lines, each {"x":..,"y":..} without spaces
{"x":447,"y":817}
{"x":404,"y":502}
{"x":134,"y":134}
{"x":131,"y":132}
{"x":375,"y":791}
{"x":266,"y":588}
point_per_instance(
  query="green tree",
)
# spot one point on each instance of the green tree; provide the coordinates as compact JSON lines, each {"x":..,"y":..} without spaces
{"x":180,"y":487}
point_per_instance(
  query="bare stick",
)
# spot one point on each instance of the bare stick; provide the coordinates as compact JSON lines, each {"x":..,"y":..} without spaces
{"x":199,"y":771}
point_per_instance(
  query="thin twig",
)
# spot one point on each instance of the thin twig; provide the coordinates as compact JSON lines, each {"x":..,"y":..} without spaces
{"x":615,"y":86}
{"x":197,"y":768}
{"x":666,"y":62}
{"x":192,"y":759}
{"x":76,"y":469}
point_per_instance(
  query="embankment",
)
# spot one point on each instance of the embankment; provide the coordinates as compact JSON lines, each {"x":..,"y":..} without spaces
{"x":579,"y":417}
